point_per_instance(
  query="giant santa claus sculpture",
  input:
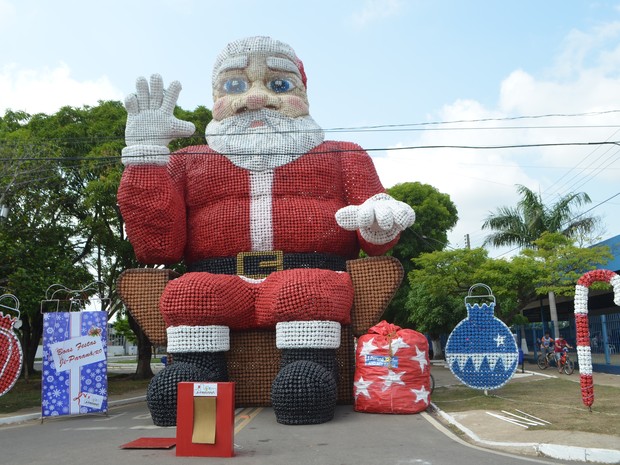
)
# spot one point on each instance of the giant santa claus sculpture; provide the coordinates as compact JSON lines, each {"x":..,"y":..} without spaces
{"x":264,"y":216}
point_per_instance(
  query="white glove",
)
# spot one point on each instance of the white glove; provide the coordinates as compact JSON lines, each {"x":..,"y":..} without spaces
{"x":380,"y":218}
{"x":150,"y":122}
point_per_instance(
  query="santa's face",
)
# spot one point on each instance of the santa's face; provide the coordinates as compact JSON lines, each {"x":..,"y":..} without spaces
{"x":260,"y":115}
{"x":259,"y":81}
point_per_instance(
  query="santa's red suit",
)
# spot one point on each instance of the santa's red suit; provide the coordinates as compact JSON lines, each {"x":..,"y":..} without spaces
{"x":204,"y":209}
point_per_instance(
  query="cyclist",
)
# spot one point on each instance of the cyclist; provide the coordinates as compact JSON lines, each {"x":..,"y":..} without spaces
{"x":558,"y":347}
{"x":546,"y":344}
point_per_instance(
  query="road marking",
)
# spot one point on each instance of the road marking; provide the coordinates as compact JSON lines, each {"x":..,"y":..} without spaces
{"x":519,"y":420}
{"x":510,"y":420}
{"x":532,"y":416}
{"x":245,"y":416}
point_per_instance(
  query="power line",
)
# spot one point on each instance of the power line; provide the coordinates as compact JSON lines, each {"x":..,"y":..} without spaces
{"x":582,"y":161}
{"x":427,"y":125}
{"x":569,"y":221}
{"x":595,"y":206}
{"x":377,"y":149}
{"x":483,"y":120}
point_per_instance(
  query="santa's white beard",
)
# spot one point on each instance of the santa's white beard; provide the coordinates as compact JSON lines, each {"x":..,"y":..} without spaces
{"x":278,"y":141}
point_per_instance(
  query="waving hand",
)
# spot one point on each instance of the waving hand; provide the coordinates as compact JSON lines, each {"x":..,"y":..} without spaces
{"x":151,"y":124}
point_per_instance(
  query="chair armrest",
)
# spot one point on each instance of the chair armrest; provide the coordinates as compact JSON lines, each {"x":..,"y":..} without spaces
{"x":140,"y":289}
{"x":375,"y":281}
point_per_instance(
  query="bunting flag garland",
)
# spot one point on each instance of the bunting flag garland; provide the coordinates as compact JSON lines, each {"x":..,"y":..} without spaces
{"x":392,"y":372}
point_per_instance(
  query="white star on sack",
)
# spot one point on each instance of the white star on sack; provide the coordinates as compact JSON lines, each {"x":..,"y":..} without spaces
{"x":368,"y":347}
{"x":361,"y":387}
{"x":396,"y":344}
{"x":500,"y":340}
{"x":421,"y":395}
{"x":420,"y":357}
{"x":392,"y":378}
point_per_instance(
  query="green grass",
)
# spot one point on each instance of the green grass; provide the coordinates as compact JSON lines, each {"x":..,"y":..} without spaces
{"x":555,"y":400}
{"x":27,"y":394}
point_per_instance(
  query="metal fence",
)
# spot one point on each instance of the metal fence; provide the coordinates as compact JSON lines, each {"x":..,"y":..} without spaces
{"x":604,"y":339}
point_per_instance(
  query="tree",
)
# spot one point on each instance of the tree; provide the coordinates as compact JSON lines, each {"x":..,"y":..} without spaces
{"x":562,"y":263}
{"x":60,"y":174}
{"x":436,"y":214}
{"x":36,"y":246}
{"x":442,"y":279}
{"x":439,"y":282}
{"x":524,"y":224}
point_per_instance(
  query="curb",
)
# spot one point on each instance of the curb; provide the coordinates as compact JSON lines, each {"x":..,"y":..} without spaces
{"x":554,"y":451}
{"x":37,"y":416}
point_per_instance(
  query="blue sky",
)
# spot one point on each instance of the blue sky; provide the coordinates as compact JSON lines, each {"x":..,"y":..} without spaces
{"x":396,"y":63}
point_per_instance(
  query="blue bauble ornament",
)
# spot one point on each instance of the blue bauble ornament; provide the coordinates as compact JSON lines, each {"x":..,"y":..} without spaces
{"x":481,"y":351}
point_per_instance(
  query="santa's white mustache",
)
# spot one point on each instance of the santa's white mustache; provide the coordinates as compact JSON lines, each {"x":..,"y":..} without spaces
{"x":260,"y":121}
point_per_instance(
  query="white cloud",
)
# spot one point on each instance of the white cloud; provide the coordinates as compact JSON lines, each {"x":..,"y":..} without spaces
{"x":374,"y":10}
{"x":476,"y":180}
{"x":584,"y":78}
{"x":45,"y":90}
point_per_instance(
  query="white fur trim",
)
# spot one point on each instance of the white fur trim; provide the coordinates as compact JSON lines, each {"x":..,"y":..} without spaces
{"x":261,"y":205}
{"x":308,"y":335}
{"x":182,"y":339}
{"x":145,"y":155}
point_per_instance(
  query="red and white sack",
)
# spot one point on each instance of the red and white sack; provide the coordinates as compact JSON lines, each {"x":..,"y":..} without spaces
{"x":392,"y":371}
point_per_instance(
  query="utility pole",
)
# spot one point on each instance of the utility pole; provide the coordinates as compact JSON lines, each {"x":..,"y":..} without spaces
{"x":467,"y":243}
{"x":4,"y":208}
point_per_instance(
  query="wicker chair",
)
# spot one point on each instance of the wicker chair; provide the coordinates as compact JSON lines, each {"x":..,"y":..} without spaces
{"x":253,"y":359}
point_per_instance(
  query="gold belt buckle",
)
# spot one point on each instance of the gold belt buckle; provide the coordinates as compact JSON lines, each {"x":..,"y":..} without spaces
{"x":259,"y":264}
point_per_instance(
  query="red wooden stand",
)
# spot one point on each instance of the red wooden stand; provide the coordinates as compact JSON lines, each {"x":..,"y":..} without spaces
{"x":224,"y":421}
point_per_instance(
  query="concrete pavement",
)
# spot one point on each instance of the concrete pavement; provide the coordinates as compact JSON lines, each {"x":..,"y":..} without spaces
{"x":499,"y":432}
{"x":477,"y":427}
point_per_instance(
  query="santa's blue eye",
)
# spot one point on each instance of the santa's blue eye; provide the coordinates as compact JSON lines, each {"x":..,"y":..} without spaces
{"x":235,"y":86}
{"x":281,"y":85}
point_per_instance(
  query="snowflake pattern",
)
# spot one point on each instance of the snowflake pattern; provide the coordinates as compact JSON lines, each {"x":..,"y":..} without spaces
{"x":56,"y":386}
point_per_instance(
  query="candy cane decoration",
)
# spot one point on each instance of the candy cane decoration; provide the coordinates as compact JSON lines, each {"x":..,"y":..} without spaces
{"x":584,"y":354}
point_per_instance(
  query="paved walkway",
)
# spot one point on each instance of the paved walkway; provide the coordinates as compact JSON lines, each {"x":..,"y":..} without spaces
{"x":477,"y":426}
{"x":485,"y":430}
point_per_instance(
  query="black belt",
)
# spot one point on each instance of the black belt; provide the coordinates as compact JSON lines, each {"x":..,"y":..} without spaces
{"x":261,"y":264}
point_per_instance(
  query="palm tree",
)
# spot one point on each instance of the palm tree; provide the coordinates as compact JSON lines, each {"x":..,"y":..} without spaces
{"x":523,"y":224}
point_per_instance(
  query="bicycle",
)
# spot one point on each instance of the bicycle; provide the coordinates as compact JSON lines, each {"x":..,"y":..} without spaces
{"x":565,"y":364}
{"x":545,"y":360}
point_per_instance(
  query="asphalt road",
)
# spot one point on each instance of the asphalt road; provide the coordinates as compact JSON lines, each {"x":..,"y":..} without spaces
{"x":351,"y":438}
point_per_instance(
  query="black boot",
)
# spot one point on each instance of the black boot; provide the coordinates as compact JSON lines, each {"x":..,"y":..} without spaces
{"x":305,"y":391}
{"x":161,"y":395}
